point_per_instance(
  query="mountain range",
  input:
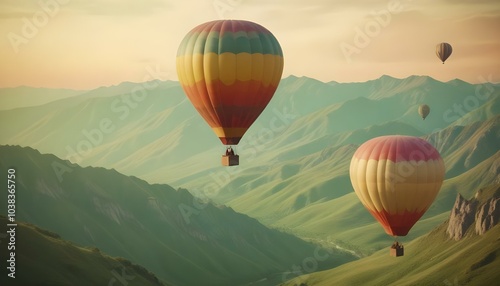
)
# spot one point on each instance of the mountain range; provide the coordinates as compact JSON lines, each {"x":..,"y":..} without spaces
{"x":181,"y":239}
{"x":155,"y":133}
{"x":294,"y":161}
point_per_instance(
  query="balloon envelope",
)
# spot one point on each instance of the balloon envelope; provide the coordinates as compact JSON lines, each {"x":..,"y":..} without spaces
{"x":443,"y":51}
{"x":229,"y":69}
{"x":424,"y":110}
{"x":396,"y":178}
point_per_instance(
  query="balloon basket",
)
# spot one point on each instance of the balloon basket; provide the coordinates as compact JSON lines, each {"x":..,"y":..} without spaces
{"x":230,"y":160}
{"x":397,"y":249}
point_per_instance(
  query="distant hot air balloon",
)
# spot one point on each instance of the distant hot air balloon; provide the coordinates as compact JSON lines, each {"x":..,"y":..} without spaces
{"x":424,"y":110}
{"x":229,"y":70}
{"x":396,"y":178}
{"x":443,"y":51}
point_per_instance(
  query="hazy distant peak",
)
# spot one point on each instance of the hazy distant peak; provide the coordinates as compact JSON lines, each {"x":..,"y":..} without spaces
{"x":301,"y":79}
{"x":387,"y":77}
{"x":456,"y":82}
{"x":412,"y":78}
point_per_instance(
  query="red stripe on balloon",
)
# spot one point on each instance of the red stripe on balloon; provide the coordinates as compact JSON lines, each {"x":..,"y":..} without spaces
{"x":230,"y":140}
{"x":397,"y":148}
{"x":236,"y":105}
{"x":397,"y":224}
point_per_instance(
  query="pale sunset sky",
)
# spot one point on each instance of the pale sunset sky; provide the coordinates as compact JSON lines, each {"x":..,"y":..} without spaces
{"x":84,"y":44}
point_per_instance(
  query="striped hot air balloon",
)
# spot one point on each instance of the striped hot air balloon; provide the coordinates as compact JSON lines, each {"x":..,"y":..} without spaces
{"x":443,"y":51}
{"x":229,"y":70}
{"x":397,"y":178}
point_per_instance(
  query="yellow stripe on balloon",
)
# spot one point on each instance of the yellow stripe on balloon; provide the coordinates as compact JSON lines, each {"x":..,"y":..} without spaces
{"x":185,"y":70}
{"x":396,"y":187}
{"x":198,"y":68}
{"x":229,"y":67}
{"x":274,"y":67}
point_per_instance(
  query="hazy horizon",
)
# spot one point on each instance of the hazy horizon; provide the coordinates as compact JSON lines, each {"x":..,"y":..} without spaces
{"x":483,"y":80}
{"x":84,"y":45}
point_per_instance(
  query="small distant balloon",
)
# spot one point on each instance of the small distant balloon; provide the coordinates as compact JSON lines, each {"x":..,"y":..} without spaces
{"x":443,"y":51}
{"x":424,"y":110}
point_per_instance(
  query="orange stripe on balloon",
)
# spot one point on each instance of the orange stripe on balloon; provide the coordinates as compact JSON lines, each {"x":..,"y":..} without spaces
{"x":229,"y":136}
{"x":236,"y":105}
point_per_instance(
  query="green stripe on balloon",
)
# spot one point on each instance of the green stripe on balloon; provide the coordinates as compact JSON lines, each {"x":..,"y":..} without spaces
{"x":239,"y":42}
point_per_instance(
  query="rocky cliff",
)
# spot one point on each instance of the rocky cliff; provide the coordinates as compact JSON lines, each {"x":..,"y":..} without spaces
{"x":487,"y":215}
{"x":481,"y":212}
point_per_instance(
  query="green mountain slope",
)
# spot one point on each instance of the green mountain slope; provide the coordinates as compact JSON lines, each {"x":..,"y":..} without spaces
{"x":150,"y":130}
{"x":43,"y":258}
{"x":183,"y":240}
{"x":489,"y":109}
{"x":312,"y":196}
{"x":430,"y":260}
{"x":433,"y":259}
{"x":294,"y":159}
{"x":466,"y":146}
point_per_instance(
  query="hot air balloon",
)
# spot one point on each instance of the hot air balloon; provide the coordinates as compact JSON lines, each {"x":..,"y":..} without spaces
{"x":396,"y":178}
{"x":443,"y":51}
{"x":229,"y":70}
{"x":424,"y":110}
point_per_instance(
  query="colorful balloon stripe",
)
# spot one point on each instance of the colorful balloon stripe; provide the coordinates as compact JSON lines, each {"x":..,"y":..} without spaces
{"x":397,"y":148}
{"x":210,"y":39}
{"x":235,"y":105}
{"x":229,"y":67}
{"x":397,"y":224}
{"x":395,"y":187}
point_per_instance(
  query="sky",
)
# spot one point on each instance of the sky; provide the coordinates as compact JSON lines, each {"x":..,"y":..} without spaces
{"x":85,"y":44}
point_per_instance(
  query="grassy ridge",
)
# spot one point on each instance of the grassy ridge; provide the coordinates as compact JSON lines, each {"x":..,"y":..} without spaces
{"x":43,"y":258}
